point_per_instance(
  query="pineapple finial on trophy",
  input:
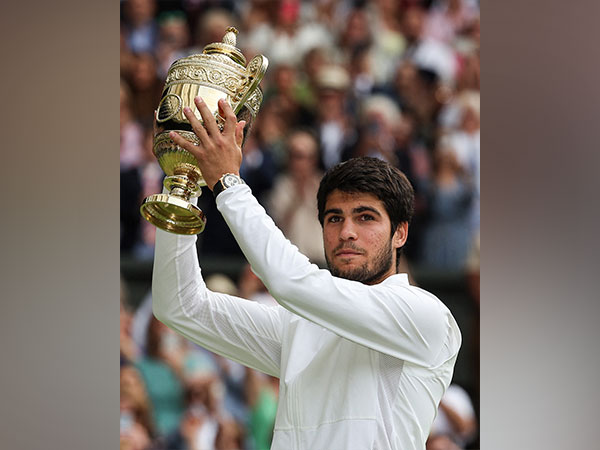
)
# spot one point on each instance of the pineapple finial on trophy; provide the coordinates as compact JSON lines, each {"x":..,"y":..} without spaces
{"x":230,"y":36}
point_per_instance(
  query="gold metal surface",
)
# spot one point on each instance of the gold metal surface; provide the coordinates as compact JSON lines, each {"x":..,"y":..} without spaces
{"x":219,"y":72}
{"x":173,"y":214}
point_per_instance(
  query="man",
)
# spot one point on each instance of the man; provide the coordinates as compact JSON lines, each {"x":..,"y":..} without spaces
{"x":363,"y":358}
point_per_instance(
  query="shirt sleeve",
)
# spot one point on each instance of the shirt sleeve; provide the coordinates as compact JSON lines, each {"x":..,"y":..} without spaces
{"x":394,"y":318}
{"x":239,"y":329}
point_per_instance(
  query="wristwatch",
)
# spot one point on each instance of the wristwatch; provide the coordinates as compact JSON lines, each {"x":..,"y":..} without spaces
{"x":226,"y":181}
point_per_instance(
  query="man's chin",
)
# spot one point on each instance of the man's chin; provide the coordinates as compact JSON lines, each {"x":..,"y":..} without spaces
{"x":349,"y":272}
{"x":360,"y":273}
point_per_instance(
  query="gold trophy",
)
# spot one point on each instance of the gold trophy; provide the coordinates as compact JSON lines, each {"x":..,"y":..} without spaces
{"x":219,"y":72}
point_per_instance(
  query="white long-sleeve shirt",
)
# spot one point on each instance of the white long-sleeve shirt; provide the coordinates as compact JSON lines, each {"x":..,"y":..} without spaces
{"x":360,"y":367}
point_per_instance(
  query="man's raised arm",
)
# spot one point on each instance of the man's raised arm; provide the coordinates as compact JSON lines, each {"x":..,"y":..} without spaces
{"x":239,"y":329}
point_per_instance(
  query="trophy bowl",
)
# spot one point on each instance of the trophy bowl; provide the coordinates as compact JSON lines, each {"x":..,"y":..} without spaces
{"x":220,"y":71}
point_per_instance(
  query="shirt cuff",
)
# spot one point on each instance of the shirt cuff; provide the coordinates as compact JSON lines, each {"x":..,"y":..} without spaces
{"x":230,"y":192}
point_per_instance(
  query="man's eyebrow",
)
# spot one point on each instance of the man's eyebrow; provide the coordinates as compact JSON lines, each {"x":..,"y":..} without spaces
{"x":362,"y":209}
{"x":357,"y":210}
{"x":332,"y":211}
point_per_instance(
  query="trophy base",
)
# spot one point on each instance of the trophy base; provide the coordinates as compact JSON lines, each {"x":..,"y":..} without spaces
{"x":173,"y":214}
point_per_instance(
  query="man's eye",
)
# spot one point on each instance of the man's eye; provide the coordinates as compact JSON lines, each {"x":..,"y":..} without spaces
{"x":334,"y":219}
{"x":367,"y":217}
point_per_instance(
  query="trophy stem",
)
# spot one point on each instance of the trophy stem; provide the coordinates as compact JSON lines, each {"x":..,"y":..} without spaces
{"x":173,"y":212}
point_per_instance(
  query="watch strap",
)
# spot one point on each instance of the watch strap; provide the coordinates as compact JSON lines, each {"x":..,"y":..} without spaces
{"x":221,"y":185}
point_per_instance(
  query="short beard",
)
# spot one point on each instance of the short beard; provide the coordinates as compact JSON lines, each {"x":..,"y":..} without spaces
{"x":381,"y":264}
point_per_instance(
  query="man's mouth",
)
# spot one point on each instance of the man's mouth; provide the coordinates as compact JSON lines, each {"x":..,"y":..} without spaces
{"x":346,"y":252}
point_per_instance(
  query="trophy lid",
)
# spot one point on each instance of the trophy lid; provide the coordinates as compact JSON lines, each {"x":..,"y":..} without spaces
{"x":227,"y":47}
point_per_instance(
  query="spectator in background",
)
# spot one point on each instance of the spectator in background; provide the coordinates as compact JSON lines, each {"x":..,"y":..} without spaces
{"x":428,"y":54}
{"x":211,"y":26}
{"x":140,"y":25}
{"x":284,"y":92}
{"x":131,"y":156}
{"x":447,"y":234}
{"x":230,"y":436}
{"x":199,"y":425}
{"x":252,"y":288}
{"x":413,"y":158}
{"x":465,"y":142}
{"x":440,"y":442}
{"x":125,"y":54}
{"x":270,"y":130}
{"x":261,"y":393}
{"x":131,"y":133}
{"x":146,"y":87}
{"x":256,"y":14}
{"x":357,"y":33}
{"x":162,"y":371}
{"x":379,"y":119}
{"x":151,"y":178}
{"x":307,"y":89}
{"x":456,"y":417}
{"x":468,"y":77}
{"x":334,"y":124}
{"x":418,"y":92}
{"x":446,"y":19}
{"x":388,"y":42}
{"x":288,"y":38}
{"x":136,"y":428}
{"x":259,"y":167}
{"x":173,"y":40}
{"x":129,"y":350}
{"x":293,"y":201}
{"x":361,"y":74}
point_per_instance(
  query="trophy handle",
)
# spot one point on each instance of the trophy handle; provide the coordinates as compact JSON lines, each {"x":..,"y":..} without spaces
{"x":254,"y":74}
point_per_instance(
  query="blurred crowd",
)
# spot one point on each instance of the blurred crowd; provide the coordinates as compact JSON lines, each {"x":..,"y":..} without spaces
{"x":393,"y":79}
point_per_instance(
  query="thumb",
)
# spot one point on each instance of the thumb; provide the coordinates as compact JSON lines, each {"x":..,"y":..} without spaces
{"x":239,"y":132}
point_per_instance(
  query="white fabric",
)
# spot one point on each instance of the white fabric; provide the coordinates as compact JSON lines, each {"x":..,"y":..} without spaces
{"x":360,"y":367}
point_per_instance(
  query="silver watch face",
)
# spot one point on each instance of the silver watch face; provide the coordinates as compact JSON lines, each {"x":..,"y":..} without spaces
{"x":230,"y":180}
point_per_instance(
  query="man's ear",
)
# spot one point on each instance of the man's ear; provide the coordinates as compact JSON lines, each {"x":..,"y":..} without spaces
{"x":400,"y":235}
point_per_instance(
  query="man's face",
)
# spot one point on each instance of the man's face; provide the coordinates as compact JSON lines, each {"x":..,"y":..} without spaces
{"x":356,"y":236}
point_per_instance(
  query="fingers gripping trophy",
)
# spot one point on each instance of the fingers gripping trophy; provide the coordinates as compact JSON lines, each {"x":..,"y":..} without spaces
{"x":219,"y":72}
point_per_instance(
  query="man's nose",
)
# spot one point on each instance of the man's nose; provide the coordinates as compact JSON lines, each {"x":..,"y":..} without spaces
{"x":348,"y":231}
